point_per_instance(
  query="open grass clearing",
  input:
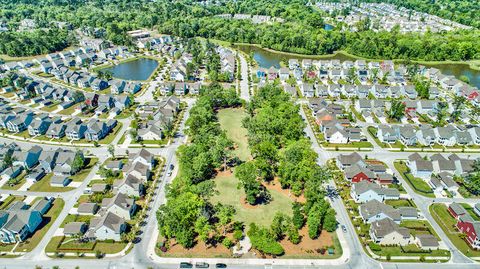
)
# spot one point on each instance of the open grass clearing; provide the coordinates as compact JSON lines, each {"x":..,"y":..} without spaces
{"x":260,"y":214}
{"x":231,"y":121}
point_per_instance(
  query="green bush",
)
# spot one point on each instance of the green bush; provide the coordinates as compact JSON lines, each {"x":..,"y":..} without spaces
{"x":238,"y":235}
{"x":227,"y":242}
{"x":374,"y":247}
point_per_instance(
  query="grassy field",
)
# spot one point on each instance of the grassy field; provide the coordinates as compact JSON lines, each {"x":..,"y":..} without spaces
{"x":260,"y":214}
{"x":417,"y":184}
{"x":231,"y":121}
{"x":447,"y":223}
{"x":48,"y":219}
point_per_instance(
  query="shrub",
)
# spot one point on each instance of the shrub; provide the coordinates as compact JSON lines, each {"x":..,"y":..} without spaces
{"x":374,"y":247}
{"x":238,"y":235}
{"x":227,"y":242}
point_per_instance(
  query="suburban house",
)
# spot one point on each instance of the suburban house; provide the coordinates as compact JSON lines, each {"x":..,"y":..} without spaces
{"x":106,"y":227}
{"x":357,"y":173}
{"x":18,"y":221}
{"x":120,"y":205}
{"x":387,"y":232}
{"x":365,"y":191}
{"x":374,"y":210}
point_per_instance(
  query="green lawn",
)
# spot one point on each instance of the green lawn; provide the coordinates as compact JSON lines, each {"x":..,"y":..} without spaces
{"x":109,"y":138}
{"x":70,"y":110}
{"x":49,"y":108}
{"x":80,"y":176}
{"x":417,"y":184}
{"x":409,"y":250}
{"x":261,"y":214}
{"x":76,"y":218}
{"x":447,"y":223}
{"x":44,"y":185}
{"x":21,"y":181}
{"x":231,"y":121}
{"x":107,"y":248}
{"x":10,"y":199}
{"x":400,"y":203}
{"x":48,"y":220}
{"x":419,"y":227}
{"x":470,"y":211}
{"x":362,"y":144}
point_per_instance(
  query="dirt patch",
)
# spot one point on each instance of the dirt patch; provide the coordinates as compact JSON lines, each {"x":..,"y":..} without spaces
{"x":199,"y":250}
{"x":307,"y":245}
{"x":276,"y":186}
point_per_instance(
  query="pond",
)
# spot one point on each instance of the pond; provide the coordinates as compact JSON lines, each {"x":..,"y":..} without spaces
{"x":138,"y":69}
{"x":267,"y":59}
{"x":459,"y":70}
{"x":328,"y":27}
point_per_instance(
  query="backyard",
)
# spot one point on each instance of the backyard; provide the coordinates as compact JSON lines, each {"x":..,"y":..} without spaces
{"x":447,"y":223}
{"x":417,"y":184}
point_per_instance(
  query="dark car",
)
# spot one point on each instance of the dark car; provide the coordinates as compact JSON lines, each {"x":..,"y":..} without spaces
{"x":172,"y":166}
{"x":220,"y":265}
{"x":201,"y":265}
{"x":185,"y":265}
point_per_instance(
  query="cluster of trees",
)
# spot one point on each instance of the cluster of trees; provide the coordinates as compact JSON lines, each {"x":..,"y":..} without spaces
{"x":188,"y":212}
{"x":279,"y":149}
{"x":35,"y":42}
{"x":302,"y":31}
{"x":472,"y":180}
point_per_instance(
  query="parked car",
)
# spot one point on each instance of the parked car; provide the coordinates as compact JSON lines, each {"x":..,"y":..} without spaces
{"x":185,"y":265}
{"x":220,"y":265}
{"x":201,"y":265}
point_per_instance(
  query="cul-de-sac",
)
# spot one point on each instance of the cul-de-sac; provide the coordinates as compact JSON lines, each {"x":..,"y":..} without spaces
{"x":263,"y":134}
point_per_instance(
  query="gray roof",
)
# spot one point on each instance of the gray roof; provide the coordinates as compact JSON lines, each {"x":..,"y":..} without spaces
{"x":350,"y":159}
{"x":364,"y":186}
{"x":109,"y":220}
{"x":353,"y":170}
{"x":423,"y":165}
{"x":119,"y":200}
{"x":74,"y":228}
{"x":458,"y":209}
{"x":374,"y":207}
{"x":88,"y":208}
{"x":408,"y":212}
{"x":427,"y":240}
{"x":385,"y":227}
{"x":99,"y":187}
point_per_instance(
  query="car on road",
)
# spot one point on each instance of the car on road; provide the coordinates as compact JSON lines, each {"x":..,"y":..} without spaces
{"x":201,"y":265}
{"x":344,"y":228}
{"x":220,"y":265}
{"x":185,"y":265}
